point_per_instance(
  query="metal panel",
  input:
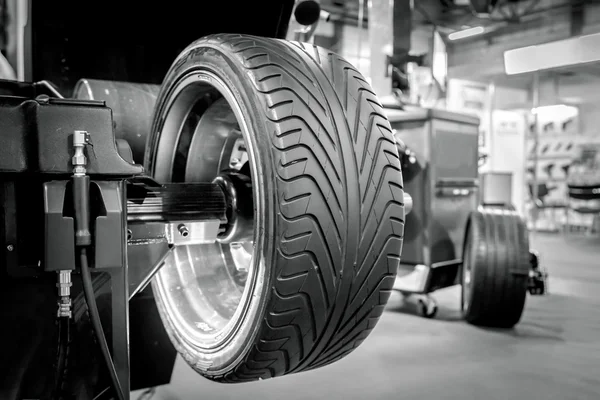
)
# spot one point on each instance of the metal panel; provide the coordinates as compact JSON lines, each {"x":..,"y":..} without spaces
{"x":455,"y":154}
{"x":443,"y":195}
{"x":114,"y":200}
{"x":415,"y":135}
{"x":496,"y":188}
{"x":454,"y":184}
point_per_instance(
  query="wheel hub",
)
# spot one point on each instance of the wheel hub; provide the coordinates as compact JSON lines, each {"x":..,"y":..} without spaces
{"x":240,"y":208}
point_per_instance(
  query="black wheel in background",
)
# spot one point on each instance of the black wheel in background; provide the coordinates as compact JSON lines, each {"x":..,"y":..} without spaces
{"x":495,"y":268}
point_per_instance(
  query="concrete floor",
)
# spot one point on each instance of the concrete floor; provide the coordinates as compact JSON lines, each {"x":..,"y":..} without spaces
{"x":554,"y":353}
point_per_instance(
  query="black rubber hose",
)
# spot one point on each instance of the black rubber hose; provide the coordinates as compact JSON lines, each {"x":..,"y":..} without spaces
{"x":90,"y":299}
{"x":62,"y":355}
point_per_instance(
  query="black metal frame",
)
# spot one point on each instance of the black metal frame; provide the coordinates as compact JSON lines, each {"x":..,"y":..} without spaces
{"x":37,"y":195}
{"x":129,"y":214}
{"x":37,"y":222}
{"x":110,"y":255}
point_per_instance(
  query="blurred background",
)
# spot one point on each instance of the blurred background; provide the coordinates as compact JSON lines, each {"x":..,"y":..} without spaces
{"x":529,"y":71}
{"x":538,"y":105}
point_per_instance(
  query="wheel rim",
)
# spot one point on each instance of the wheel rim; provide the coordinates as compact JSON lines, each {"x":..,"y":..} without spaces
{"x":207,"y":290}
{"x":467,"y":274}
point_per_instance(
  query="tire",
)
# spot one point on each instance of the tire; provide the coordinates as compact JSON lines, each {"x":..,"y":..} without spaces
{"x":327,"y":192}
{"x":495,"y":269}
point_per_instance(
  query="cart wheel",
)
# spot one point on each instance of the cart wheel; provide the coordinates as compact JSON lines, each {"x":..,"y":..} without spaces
{"x":427,"y":307}
{"x":495,"y":269}
{"x":306,"y":277}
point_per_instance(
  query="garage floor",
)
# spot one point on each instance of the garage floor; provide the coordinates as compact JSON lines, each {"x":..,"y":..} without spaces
{"x":554,"y":353}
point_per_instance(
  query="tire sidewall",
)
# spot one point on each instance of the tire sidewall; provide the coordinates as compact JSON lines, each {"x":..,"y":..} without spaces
{"x":202,"y":56}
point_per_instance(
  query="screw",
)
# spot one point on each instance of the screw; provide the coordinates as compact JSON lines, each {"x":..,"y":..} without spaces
{"x":10,"y":247}
{"x":183,"y":230}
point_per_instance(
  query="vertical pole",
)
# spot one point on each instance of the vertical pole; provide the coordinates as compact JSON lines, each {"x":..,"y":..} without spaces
{"x":491,"y":136}
{"x":361,"y":18}
{"x":536,"y":139}
{"x":111,"y":229}
{"x":120,"y":304}
{"x":22,"y":15}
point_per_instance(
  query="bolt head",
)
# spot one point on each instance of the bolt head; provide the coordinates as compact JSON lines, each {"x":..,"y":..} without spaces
{"x":10,"y":247}
{"x":183,"y":230}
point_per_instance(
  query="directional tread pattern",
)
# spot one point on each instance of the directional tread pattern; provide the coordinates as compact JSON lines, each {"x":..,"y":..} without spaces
{"x":340,"y":217}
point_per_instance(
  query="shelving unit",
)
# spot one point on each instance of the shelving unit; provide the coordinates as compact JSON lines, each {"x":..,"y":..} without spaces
{"x":558,"y":141}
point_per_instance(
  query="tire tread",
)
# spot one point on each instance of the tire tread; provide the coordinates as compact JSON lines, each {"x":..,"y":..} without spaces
{"x":341,"y":212}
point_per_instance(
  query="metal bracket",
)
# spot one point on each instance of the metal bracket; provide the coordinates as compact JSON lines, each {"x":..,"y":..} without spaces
{"x":59,"y":245}
{"x":426,"y":279}
{"x":150,"y":244}
{"x":193,"y":232}
{"x":111,"y":258}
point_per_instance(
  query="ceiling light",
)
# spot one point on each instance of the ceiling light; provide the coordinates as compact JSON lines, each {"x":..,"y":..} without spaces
{"x":559,"y":54}
{"x":465,"y":33}
{"x":561,"y":111}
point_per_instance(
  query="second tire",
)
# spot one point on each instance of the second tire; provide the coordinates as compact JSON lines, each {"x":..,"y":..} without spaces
{"x":495,"y":268}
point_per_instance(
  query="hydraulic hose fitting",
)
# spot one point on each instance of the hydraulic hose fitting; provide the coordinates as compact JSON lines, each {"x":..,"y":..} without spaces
{"x":81,"y":204}
{"x":79,"y":161}
{"x":81,"y":189}
{"x":64,"y":294}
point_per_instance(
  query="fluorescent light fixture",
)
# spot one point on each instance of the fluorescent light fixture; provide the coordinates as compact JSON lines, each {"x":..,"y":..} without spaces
{"x":559,"y":54}
{"x":557,"y":110}
{"x":465,"y":33}
{"x":572,"y":100}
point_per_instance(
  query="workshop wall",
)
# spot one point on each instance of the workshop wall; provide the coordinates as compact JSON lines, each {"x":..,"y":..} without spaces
{"x":590,"y":120}
{"x":507,"y":98}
